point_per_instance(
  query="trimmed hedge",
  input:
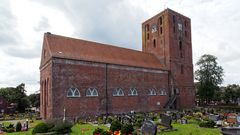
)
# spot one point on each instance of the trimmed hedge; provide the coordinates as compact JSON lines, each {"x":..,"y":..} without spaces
{"x":40,"y":128}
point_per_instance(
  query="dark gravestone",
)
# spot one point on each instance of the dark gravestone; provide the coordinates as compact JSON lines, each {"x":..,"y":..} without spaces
{"x":149,"y":128}
{"x":166,"y":121}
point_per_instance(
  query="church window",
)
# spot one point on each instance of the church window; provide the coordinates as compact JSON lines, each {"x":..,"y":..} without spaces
{"x":118,"y":92}
{"x":147,"y":36}
{"x":185,"y":23}
{"x":152,"y":92}
{"x":154,"y":43}
{"x":174,"y":19}
{"x":91,"y":92}
{"x":160,"y":30}
{"x":160,"y":20}
{"x":185,"y":33}
{"x":163,"y":92}
{"x":73,"y":92}
{"x":147,"y":27}
{"x":132,"y":92}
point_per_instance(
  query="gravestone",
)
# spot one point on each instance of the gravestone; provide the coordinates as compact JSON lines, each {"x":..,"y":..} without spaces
{"x":149,"y":128}
{"x":231,"y":118}
{"x":213,"y":117}
{"x":166,"y":121}
{"x":238,"y":119}
{"x":183,"y":121}
{"x":126,"y":119}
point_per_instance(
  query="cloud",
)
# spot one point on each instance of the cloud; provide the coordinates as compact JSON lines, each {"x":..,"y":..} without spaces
{"x":8,"y":34}
{"x":112,"y":22}
{"x":43,"y":25}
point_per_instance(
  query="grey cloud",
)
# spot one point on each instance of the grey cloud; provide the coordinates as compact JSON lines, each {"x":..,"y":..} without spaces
{"x":8,"y":33}
{"x":24,"y":51}
{"x":107,"y":21}
{"x":43,"y":25}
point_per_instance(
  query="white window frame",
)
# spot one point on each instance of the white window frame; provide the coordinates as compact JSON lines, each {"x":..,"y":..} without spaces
{"x":152,"y":92}
{"x":163,"y":92}
{"x":132,"y":92}
{"x":91,"y":90}
{"x":118,"y":91}
{"x":73,"y":91}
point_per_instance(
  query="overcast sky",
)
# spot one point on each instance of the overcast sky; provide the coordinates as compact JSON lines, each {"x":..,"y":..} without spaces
{"x":215,"y":30}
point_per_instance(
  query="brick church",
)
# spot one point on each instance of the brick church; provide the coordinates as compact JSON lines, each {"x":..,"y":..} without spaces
{"x":80,"y":78}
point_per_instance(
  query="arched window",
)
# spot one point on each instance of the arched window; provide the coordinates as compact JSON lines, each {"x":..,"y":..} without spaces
{"x":163,"y":92}
{"x":152,"y":92}
{"x":118,"y":92}
{"x":73,"y":92}
{"x":91,"y":92}
{"x":132,"y":92}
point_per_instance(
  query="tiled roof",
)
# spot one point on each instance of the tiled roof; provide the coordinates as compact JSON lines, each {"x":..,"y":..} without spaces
{"x":70,"y":48}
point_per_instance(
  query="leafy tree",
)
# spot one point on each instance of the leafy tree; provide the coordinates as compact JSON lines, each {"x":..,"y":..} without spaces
{"x":34,"y":100}
{"x":210,"y":75}
{"x":232,"y":93}
{"x":16,"y":95}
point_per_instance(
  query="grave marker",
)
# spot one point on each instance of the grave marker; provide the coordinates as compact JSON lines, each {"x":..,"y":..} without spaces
{"x":149,"y":128}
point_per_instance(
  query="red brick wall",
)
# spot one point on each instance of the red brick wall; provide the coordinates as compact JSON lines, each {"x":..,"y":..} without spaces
{"x":82,"y":75}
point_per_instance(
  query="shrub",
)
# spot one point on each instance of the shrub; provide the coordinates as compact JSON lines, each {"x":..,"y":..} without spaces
{"x":115,"y":126}
{"x":127,"y":129}
{"x":62,"y":127}
{"x":100,"y":120}
{"x":138,"y":122}
{"x":40,"y":128}
{"x":109,"y":119}
{"x":207,"y":124}
{"x":97,"y":131}
{"x":18,"y":127}
{"x":101,"y":132}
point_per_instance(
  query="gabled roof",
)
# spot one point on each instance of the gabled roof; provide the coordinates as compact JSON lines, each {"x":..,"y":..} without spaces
{"x":77,"y":49}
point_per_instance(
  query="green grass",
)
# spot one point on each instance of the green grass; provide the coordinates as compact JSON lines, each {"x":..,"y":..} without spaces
{"x":85,"y":129}
{"x":191,"y":129}
{"x":182,"y":129}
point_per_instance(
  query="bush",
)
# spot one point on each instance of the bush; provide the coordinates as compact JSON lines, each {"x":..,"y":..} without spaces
{"x":97,"y":131}
{"x":18,"y":127}
{"x":115,"y":126}
{"x":207,"y":124}
{"x":62,"y":127}
{"x":101,"y":132}
{"x":127,"y":129}
{"x":138,"y":123}
{"x":40,"y":128}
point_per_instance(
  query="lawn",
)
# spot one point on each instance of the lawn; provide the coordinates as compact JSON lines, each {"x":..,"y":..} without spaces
{"x":182,"y":129}
{"x":191,"y":129}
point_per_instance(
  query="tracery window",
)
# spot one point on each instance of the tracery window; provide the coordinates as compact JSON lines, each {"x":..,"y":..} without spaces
{"x":73,"y":92}
{"x":152,"y":92}
{"x":118,"y":92}
{"x":163,"y":92}
{"x":132,"y":92}
{"x":91,"y":92}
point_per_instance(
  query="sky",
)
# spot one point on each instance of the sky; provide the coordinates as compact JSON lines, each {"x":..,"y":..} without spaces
{"x":215,"y":30}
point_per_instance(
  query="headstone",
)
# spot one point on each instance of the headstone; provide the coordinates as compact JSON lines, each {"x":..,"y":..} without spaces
{"x":238,"y":119}
{"x":149,"y":128}
{"x":126,"y":119}
{"x":166,"y":121}
{"x":232,"y":118}
{"x":213,"y":117}
{"x":183,"y":121}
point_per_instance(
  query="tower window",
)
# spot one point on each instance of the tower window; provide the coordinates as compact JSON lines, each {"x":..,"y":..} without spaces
{"x":174,"y":29}
{"x":160,"y":30}
{"x":185,"y":33}
{"x":174,"y":19}
{"x":180,"y":45}
{"x":147,"y":27}
{"x":147,"y":36}
{"x":160,"y":20}
{"x":154,"y":43}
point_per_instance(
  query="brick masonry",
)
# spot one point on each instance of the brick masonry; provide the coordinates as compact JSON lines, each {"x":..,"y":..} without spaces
{"x":58,"y":75}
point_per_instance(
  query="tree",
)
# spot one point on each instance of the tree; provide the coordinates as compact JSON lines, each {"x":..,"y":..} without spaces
{"x":16,"y":95}
{"x":34,"y":100}
{"x":210,"y":76}
{"x":232,"y":93}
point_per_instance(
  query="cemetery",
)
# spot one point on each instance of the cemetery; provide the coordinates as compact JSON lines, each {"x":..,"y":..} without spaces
{"x":195,"y":121}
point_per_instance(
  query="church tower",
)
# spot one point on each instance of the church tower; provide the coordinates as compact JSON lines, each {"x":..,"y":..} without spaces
{"x":167,"y":35}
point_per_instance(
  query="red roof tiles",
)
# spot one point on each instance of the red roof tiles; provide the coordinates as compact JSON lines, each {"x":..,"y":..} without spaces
{"x":70,"y":48}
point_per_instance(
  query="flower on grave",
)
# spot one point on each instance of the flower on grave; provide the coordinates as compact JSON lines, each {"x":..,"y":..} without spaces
{"x":117,"y":133}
